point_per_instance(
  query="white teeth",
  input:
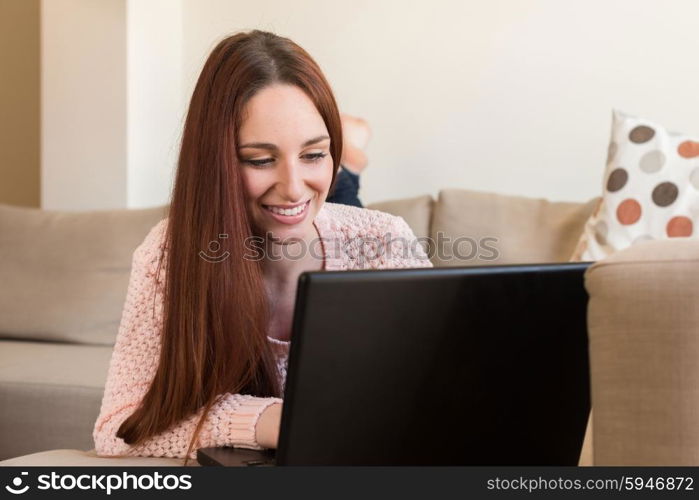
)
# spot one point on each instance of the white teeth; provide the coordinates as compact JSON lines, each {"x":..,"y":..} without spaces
{"x":287,"y":211}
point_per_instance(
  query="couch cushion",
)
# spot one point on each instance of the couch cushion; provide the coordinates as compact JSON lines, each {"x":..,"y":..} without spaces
{"x":49,"y":363}
{"x":472,"y":228}
{"x":64,"y":275}
{"x":50,"y":395}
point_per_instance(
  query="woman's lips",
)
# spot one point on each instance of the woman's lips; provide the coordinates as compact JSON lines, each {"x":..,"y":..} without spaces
{"x":288,"y":219}
{"x":287,"y":206}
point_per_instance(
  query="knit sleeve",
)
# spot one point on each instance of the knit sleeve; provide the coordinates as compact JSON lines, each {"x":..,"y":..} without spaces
{"x":404,"y":249}
{"x":230,"y":422}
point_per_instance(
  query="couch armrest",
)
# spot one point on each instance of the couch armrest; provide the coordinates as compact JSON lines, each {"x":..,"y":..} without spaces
{"x":643,"y":322}
{"x":80,"y":458}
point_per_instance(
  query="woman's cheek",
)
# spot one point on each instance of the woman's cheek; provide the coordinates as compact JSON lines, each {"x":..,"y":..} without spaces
{"x":255,"y":183}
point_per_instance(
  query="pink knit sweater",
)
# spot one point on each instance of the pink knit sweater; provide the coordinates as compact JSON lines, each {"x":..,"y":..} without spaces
{"x":347,"y":233}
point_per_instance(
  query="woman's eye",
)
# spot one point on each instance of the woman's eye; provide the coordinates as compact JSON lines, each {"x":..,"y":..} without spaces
{"x":259,"y":163}
{"x":313,"y":157}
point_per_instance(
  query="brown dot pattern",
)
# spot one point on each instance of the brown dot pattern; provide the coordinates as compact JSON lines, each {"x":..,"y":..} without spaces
{"x":617,"y":180}
{"x":665,"y":194}
{"x":641,"y":134}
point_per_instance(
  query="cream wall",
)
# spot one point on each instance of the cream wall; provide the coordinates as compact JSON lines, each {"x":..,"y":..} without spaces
{"x":513,"y":96}
{"x":112,"y":102}
{"x":155,"y":101}
{"x":83,"y":104}
{"x":19,"y":102}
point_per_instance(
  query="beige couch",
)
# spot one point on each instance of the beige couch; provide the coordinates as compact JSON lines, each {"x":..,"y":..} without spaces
{"x":64,"y":281}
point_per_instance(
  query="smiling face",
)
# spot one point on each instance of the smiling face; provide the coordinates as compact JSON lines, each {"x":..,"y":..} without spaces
{"x":285,"y":161}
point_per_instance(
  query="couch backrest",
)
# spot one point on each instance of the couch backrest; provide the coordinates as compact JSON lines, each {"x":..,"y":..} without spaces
{"x":470,"y":228}
{"x":64,"y":275}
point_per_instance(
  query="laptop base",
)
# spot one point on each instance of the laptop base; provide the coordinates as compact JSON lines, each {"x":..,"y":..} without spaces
{"x":235,"y":457}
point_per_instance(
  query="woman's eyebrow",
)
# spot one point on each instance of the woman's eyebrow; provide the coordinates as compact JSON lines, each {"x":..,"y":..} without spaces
{"x":267,"y":145}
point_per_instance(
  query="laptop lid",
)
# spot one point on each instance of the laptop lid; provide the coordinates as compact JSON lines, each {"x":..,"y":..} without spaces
{"x":442,"y":366}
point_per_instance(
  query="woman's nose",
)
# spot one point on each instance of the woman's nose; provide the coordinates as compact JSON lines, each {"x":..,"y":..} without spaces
{"x":291,"y":181}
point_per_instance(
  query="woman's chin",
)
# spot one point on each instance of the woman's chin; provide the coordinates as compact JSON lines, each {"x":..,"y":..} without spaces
{"x":283,"y":233}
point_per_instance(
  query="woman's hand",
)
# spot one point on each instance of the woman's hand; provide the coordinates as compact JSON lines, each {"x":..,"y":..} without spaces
{"x":267,"y":428}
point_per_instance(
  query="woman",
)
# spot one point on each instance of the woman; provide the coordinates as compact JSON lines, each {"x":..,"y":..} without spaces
{"x":200,"y":355}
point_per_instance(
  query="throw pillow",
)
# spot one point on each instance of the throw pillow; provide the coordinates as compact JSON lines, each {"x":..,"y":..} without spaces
{"x":651,"y":189}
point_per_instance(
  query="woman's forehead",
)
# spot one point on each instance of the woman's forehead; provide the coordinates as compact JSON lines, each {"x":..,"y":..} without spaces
{"x":281,"y":113}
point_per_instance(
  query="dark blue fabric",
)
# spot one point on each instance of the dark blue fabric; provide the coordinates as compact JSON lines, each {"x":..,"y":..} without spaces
{"x":346,"y":189}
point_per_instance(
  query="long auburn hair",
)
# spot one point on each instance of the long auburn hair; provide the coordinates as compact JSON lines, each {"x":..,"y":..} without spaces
{"x":214,"y":337}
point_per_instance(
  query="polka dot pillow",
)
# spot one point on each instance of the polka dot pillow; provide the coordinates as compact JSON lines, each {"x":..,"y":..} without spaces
{"x":651,"y":189}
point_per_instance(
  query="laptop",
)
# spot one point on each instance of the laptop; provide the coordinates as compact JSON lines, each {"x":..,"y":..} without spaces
{"x":441,"y":366}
